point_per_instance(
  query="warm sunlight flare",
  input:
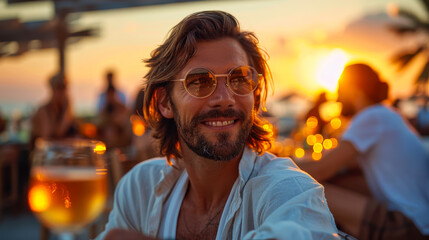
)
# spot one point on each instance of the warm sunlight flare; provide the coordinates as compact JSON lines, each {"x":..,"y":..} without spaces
{"x":39,"y":198}
{"x":311,"y":140}
{"x":299,"y":152}
{"x":316,"y":156}
{"x":100,"y":148}
{"x":330,"y":68}
{"x":311,"y":122}
{"x":330,"y":110}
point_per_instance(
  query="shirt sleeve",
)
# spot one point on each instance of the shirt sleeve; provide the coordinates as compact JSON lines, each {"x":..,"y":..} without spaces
{"x":303,"y":216}
{"x":364,"y":131}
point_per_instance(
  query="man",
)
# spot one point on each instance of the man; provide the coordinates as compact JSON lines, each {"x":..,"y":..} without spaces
{"x":205,"y":85}
{"x":392,"y":157}
{"x":55,"y":119}
{"x":110,"y":84}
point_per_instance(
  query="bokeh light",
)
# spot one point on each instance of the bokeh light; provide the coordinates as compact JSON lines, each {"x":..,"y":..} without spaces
{"x":299,"y":152}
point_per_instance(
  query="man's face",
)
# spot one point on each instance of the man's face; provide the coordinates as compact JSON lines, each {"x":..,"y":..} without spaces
{"x":215,"y":127}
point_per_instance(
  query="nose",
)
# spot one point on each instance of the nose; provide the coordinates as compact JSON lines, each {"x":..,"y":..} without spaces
{"x":222,"y":97}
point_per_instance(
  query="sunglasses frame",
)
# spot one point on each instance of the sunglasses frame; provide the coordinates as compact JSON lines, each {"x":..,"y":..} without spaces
{"x":228,"y":75}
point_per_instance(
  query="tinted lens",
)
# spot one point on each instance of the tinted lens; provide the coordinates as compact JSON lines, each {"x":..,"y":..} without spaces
{"x":200,"y":82}
{"x":243,"y":80}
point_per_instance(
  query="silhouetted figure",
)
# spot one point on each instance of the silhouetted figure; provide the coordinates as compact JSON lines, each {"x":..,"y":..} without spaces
{"x":114,"y":122}
{"x":392,"y":157}
{"x":110,"y":83}
{"x":55,"y":119}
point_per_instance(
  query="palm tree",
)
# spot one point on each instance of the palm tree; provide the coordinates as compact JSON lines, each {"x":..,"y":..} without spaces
{"x":418,"y":27}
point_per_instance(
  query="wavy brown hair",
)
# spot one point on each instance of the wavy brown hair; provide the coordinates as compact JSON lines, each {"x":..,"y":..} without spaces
{"x":170,"y":58}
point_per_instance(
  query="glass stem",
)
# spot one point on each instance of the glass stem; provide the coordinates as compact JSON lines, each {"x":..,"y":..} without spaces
{"x":66,"y":236}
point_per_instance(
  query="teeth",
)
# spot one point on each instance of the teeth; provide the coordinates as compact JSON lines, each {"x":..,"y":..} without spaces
{"x":220,"y":123}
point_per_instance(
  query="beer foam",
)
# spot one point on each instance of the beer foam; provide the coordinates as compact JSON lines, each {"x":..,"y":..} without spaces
{"x":66,"y":172}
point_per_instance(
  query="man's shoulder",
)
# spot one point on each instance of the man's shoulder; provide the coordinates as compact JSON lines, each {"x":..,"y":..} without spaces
{"x":148,"y":169}
{"x":271,"y":169}
{"x":274,"y":176}
{"x":269,"y":164}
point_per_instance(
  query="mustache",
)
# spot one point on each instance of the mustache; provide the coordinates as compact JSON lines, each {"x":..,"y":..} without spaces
{"x":216,"y":113}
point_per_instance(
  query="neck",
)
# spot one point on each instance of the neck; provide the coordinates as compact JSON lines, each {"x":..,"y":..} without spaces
{"x":210,"y":181}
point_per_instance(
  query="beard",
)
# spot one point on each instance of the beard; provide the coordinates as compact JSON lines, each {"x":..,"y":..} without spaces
{"x":224,"y":148}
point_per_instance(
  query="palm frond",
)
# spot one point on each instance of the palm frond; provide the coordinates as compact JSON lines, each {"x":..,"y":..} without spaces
{"x":414,"y":18}
{"x":405,"y":57}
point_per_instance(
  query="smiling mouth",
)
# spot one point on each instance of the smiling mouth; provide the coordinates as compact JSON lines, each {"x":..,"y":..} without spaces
{"x":219,"y":123}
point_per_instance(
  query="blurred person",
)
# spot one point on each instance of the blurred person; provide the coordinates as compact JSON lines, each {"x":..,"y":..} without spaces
{"x":55,"y":119}
{"x":114,"y":126}
{"x":110,"y":83}
{"x":205,"y":86}
{"x":392,"y":157}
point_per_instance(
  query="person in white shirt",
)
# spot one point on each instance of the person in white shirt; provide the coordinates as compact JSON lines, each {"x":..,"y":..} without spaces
{"x":392,"y":157}
{"x":205,"y":86}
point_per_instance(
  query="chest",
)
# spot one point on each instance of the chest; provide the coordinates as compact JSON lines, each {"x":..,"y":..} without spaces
{"x":191,"y":225}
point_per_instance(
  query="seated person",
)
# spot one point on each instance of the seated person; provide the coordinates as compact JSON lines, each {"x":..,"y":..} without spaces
{"x":114,"y":126}
{"x":55,"y":119}
{"x":110,"y":83}
{"x":392,"y":157}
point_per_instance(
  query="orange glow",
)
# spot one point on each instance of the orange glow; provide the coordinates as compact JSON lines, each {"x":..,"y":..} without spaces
{"x":392,"y":9}
{"x":311,"y":122}
{"x":311,"y":140}
{"x":316,"y":156}
{"x":330,"y":69}
{"x":327,"y":143}
{"x":101,"y":171}
{"x":299,"y":152}
{"x":88,"y":130}
{"x":100,"y":148}
{"x":67,"y":202}
{"x":330,"y":110}
{"x":266,"y":127}
{"x":336,"y":123}
{"x":334,"y":142}
{"x":39,"y":198}
{"x":319,"y":138}
{"x":318,"y":148}
{"x":138,"y":128}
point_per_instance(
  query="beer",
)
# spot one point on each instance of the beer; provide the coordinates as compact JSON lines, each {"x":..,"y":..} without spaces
{"x":66,"y":198}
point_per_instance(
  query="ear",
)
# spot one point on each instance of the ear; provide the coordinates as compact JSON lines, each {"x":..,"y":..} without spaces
{"x":164,"y":104}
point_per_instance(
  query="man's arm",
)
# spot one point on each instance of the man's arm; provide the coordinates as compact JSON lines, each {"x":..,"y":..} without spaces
{"x":344,"y":155}
{"x":294,"y":208}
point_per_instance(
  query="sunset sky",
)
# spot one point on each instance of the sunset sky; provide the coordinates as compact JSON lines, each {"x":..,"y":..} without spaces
{"x":308,"y":41}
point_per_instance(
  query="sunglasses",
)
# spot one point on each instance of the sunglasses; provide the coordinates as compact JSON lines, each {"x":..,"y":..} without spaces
{"x":201,"y":82}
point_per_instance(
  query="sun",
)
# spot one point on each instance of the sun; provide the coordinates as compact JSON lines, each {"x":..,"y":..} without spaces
{"x":330,"y":68}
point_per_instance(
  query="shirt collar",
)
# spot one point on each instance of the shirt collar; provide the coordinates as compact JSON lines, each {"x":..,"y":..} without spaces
{"x":170,"y":174}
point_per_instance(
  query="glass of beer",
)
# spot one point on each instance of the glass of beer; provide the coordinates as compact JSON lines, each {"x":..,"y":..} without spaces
{"x":68,"y":184}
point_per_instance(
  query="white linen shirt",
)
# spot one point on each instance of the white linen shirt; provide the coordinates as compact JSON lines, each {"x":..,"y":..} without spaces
{"x":274,"y":199}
